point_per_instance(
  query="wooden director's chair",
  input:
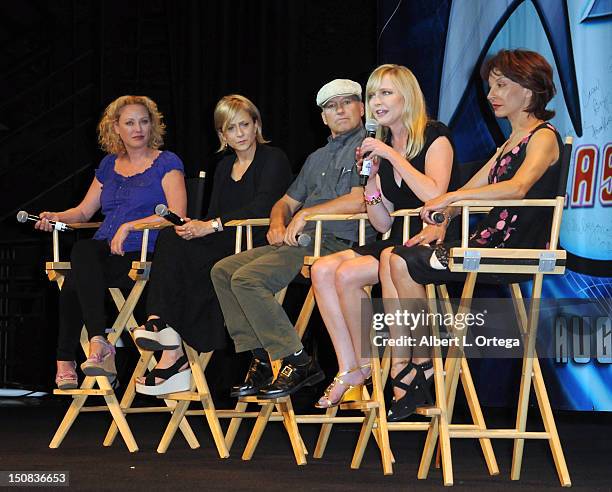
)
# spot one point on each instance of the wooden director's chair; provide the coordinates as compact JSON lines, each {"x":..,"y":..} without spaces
{"x":447,"y":374}
{"x":199,"y":390}
{"x":536,"y":262}
{"x":284,"y":409}
{"x":56,"y":271}
{"x":375,"y":406}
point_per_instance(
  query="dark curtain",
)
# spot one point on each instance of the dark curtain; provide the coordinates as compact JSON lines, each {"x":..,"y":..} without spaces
{"x":62,"y":62}
{"x":278,"y":53}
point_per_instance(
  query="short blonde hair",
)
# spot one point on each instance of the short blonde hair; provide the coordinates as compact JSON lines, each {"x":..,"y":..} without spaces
{"x":226,"y":110}
{"x":111,"y":142}
{"x":414,"y":114}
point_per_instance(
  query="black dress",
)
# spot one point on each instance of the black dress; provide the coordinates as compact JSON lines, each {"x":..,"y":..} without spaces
{"x":502,"y":227}
{"x":402,"y":196}
{"x":180,"y":289}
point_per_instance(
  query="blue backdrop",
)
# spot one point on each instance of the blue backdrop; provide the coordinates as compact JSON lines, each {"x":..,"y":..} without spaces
{"x":444,"y":43}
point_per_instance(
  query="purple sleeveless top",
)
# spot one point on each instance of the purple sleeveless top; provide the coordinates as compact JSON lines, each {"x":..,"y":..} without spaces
{"x":125,"y":199}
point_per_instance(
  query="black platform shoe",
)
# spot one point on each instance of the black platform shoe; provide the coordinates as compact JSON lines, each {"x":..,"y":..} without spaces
{"x":176,"y":379}
{"x":259,"y":375}
{"x":418,"y":392}
{"x":291,"y":378}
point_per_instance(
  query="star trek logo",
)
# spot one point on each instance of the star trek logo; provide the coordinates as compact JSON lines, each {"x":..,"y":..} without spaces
{"x":466,"y":47}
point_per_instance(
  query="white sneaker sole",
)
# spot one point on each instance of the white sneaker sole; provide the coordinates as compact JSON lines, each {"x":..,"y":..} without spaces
{"x":166,"y":339}
{"x":175,"y":384}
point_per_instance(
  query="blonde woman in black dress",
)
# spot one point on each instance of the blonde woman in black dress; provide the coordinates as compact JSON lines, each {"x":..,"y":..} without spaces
{"x":413,"y":162}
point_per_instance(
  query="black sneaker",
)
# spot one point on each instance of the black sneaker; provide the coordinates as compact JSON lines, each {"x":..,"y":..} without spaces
{"x":259,"y":375}
{"x":291,"y":378}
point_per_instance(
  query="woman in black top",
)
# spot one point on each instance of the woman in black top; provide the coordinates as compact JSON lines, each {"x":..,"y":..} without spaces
{"x":181,"y":302}
{"x":413,"y":162}
{"x":521,"y":84}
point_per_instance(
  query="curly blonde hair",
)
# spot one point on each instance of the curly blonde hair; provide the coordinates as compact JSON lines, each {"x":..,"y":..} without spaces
{"x":414,"y":114}
{"x":111,"y":142}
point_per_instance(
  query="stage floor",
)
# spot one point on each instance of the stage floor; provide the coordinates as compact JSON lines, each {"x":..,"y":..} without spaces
{"x":25,"y":432}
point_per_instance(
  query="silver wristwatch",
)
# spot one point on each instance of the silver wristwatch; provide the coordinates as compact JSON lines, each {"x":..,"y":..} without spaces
{"x":215,"y":225}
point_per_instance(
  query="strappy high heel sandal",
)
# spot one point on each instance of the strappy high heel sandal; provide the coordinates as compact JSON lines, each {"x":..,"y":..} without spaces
{"x":150,"y":337}
{"x":351,"y":393}
{"x":367,"y":380}
{"x":417,"y":393}
{"x":102,"y":363}
{"x":67,"y":379}
{"x":175,"y":379}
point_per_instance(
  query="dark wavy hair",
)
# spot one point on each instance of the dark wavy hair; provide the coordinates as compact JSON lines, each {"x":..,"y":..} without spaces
{"x":531,"y":71}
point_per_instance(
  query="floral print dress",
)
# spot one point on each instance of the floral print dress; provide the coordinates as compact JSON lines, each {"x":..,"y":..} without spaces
{"x":502,"y":227}
{"x":520,"y":227}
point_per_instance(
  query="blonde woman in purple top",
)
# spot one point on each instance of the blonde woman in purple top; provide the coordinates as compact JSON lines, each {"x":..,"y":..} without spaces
{"x":130,"y":181}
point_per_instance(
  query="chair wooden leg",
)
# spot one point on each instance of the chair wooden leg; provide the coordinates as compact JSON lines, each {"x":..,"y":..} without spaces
{"x":232,"y":430}
{"x":258,"y":428}
{"x":71,"y":414}
{"x":178,"y":418}
{"x":542,"y":396}
{"x":364,"y":436}
{"x":178,"y":414}
{"x":77,"y":402}
{"x":443,"y":419}
{"x":526,"y":375}
{"x":449,"y":383}
{"x":176,"y":422}
{"x":379,"y":377}
{"x":197,"y":365}
{"x":126,"y":310}
{"x":128,"y":395}
{"x":549,"y":425}
{"x":305,"y":313}
{"x":477,"y":417}
{"x":297,"y":444}
{"x":324,"y":433}
{"x":385,"y":446}
{"x":118,"y":415}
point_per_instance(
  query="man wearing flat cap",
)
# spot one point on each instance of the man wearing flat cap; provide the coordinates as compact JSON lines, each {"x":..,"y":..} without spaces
{"x":246,"y":283}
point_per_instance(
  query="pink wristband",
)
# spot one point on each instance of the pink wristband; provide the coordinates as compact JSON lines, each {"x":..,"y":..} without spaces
{"x":373,"y":199}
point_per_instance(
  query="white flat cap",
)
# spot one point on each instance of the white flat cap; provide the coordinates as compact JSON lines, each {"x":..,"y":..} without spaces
{"x":338,"y":87}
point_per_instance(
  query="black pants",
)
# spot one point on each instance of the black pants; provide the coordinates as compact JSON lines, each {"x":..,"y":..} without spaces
{"x":180,"y":289}
{"x":82,"y":298}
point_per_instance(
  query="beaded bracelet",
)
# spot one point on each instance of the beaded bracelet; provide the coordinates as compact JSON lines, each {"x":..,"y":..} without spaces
{"x":374,"y":199}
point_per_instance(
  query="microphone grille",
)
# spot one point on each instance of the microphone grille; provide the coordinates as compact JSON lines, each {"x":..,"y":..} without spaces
{"x":371,"y":125}
{"x":22,"y":216}
{"x":161,"y":209}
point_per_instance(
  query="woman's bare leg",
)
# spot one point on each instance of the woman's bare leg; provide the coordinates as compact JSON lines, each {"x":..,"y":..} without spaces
{"x":352,"y":277}
{"x":323,"y":275}
{"x":406,"y":288}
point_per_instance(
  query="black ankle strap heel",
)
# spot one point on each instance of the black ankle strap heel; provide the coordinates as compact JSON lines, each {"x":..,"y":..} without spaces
{"x":418,"y":392}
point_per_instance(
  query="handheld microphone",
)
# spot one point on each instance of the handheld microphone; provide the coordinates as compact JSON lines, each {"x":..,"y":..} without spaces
{"x":366,"y":167}
{"x":23,"y":217}
{"x":438,"y":217}
{"x":303,"y":240}
{"x":167,"y":214}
